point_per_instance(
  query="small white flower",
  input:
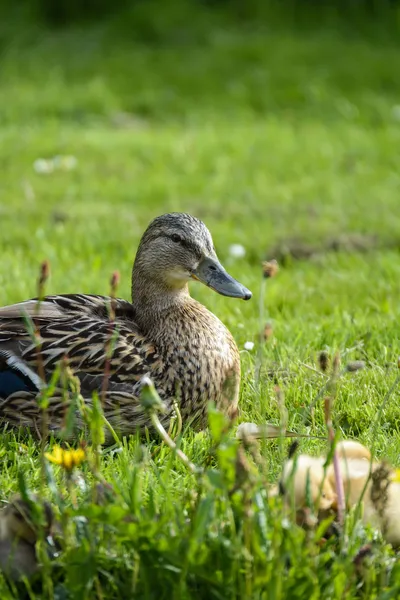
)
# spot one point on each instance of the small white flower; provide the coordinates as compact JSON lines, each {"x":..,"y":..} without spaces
{"x":43,"y":166}
{"x":237,"y":250}
{"x":60,"y":163}
{"x":79,"y":481}
{"x":249,"y":345}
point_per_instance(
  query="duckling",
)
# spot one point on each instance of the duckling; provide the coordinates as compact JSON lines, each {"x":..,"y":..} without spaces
{"x":19,"y":532}
{"x":380,"y":510}
{"x":390,"y":518}
{"x":308,"y":482}
{"x":354,"y":461}
{"x":350,"y":449}
{"x":309,"y":471}
{"x":360,"y":476}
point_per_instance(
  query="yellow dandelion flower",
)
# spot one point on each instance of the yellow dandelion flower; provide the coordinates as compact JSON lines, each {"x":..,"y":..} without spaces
{"x":56,"y":456}
{"x":396,"y":476}
{"x":66,"y":458}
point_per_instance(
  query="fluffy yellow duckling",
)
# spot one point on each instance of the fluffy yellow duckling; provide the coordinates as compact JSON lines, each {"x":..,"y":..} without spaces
{"x":380,"y":503}
{"x":304,"y":479}
{"x":389,"y":518}
{"x":354,"y":460}
{"x":371,"y":483}
{"x":19,"y":532}
{"x":309,"y":470}
{"x":350,"y":449}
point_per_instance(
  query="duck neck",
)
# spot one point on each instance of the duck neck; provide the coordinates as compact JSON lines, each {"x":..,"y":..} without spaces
{"x":153,"y":302}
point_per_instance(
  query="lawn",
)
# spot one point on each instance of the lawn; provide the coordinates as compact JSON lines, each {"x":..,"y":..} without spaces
{"x":277,"y":138}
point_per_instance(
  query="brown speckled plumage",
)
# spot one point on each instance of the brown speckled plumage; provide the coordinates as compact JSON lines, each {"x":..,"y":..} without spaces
{"x":164,"y":333}
{"x":20,"y":529}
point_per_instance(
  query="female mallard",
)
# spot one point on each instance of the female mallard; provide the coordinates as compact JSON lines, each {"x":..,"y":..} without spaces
{"x":164,"y":334}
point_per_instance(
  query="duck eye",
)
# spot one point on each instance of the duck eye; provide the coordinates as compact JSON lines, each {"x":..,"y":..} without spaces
{"x":176,"y":238}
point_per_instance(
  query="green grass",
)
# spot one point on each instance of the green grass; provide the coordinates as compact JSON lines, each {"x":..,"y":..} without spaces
{"x":267,"y":134}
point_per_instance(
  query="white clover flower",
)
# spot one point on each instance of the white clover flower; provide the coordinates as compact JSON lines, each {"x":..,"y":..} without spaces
{"x":248,"y":345}
{"x":237,"y":251}
{"x":43,"y":166}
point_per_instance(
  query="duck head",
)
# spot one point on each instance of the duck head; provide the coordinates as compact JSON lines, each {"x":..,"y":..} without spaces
{"x":177,"y":248}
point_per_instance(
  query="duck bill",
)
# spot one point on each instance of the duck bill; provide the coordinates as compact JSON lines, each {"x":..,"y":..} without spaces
{"x":213,"y":275}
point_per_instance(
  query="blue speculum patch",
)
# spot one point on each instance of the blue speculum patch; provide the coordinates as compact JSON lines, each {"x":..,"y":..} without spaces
{"x":11,"y":381}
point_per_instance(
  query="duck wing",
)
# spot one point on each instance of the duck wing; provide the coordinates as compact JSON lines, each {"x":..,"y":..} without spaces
{"x":61,"y":307}
{"x":77,"y":327}
{"x":121,"y":408}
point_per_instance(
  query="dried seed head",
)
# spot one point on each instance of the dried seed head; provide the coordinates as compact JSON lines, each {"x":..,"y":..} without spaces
{"x":355,"y":365}
{"x":268,"y":331}
{"x":44,"y":272}
{"x":398,"y":362}
{"x":328,"y":409}
{"x":43,"y":277}
{"x":336,"y":363}
{"x":323,"y":361}
{"x":381,"y":479}
{"x":270,"y":268}
{"x":114,"y":282}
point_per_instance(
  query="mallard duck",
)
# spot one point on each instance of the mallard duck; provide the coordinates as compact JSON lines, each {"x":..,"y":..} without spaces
{"x":163,"y":333}
{"x":19,"y":532}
